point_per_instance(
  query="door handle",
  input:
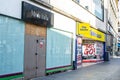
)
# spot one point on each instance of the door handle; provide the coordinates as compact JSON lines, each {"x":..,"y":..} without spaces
{"x":36,"y":53}
{"x":37,"y":41}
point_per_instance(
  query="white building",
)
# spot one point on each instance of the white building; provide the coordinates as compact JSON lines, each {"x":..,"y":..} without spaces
{"x":112,"y":25}
{"x":39,"y":37}
{"x":119,"y":28}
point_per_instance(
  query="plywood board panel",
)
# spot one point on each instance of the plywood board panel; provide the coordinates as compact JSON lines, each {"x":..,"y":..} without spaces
{"x":27,"y":29}
{"x":35,"y":30}
{"x":41,"y":31}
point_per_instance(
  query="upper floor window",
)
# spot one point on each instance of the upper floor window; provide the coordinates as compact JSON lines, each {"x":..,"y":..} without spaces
{"x":46,"y":1}
{"x":98,"y":8}
{"x":94,"y":6}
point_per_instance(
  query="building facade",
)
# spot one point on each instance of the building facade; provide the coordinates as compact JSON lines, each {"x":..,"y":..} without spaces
{"x":45,"y":36}
{"x":119,"y":28}
{"x":112,"y":27}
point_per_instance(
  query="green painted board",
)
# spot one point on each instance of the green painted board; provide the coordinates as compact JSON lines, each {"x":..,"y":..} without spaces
{"x":11,"y":77}
{"x":59,"y":69}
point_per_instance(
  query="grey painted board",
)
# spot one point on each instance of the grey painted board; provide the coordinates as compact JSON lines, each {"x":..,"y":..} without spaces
{"x":34,"y":60}
{"x":41,"y":56}
{"x":30,"y":57}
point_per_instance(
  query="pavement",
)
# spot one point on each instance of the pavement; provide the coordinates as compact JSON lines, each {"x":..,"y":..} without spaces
{"x":103,"y":71}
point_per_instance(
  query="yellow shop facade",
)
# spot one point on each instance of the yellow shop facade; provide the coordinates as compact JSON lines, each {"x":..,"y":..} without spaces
{"x":90,"y":43}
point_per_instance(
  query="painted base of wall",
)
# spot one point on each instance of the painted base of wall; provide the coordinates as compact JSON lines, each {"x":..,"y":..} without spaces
{"x":12,"y":77}
{"x":47,"y":72}
{"x":59,"y":69}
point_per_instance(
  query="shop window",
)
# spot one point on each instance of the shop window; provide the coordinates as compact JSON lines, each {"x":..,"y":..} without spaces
{"x":98,"y":8}
{"x":92,"y":50}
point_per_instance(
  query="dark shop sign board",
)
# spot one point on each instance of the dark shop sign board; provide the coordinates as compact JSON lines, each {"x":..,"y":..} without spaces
{"x":36,"y":15}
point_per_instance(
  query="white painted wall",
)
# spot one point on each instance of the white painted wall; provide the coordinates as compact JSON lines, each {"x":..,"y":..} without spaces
{"x":74,"y":9}
{"x":13,"y":7}
{"x":64,"y":23}
{"x":112,"y":16}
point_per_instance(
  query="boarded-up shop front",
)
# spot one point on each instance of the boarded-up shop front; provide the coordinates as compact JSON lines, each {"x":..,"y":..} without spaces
{"x":37,"y":20}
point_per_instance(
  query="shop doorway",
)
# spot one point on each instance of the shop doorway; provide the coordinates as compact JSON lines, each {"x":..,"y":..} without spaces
{"x":34,"y":57}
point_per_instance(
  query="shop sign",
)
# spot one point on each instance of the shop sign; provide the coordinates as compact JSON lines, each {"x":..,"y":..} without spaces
{"x":36,"y":15}
{"x":84,"y":29}
{"x":97,"y":35}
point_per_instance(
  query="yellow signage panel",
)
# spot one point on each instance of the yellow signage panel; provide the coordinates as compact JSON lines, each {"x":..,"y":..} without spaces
{"x":85,"y":30}
{"x":97,"y":35}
